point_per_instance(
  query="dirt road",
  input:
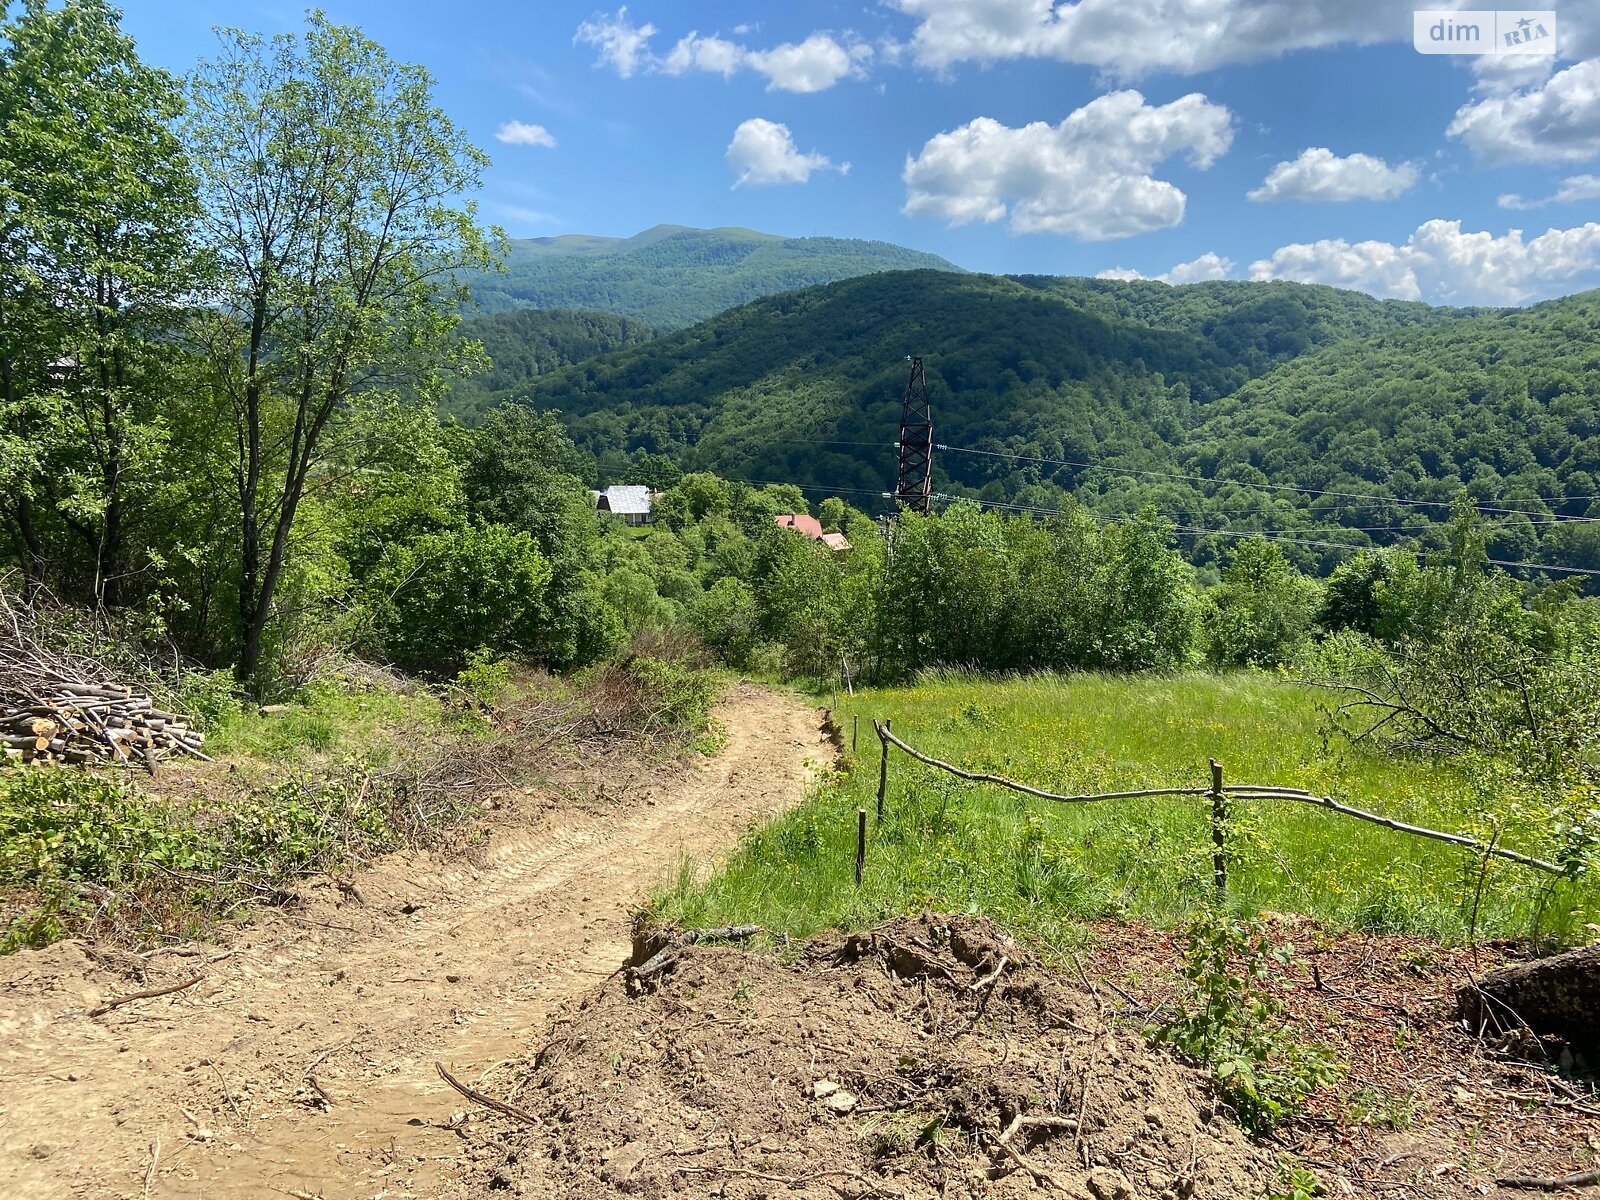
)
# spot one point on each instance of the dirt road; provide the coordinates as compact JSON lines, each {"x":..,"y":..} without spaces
{"x":211,"y":1091}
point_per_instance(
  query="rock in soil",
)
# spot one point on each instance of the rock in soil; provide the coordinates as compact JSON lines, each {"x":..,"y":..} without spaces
{"x":885,"y":1064}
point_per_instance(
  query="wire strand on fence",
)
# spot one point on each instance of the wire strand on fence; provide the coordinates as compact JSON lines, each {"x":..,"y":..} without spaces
{"x":1238,"y":791}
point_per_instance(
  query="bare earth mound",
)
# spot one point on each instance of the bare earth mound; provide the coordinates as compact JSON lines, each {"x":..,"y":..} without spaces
{"x":928,"y":1057}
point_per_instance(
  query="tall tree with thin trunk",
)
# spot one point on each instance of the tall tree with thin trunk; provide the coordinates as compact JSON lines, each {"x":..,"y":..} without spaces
{"x":332,"y":188}
{"x":96,"y":206}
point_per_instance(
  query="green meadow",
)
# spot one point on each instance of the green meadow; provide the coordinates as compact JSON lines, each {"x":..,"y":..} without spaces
{"x":1044,"y":868}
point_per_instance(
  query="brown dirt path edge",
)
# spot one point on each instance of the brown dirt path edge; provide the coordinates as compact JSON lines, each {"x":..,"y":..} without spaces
{"x":442,"y":961}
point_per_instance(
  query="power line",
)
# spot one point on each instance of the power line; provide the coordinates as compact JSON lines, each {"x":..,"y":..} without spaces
{"x":1274,"y":487}
{"x":1190,"y":531}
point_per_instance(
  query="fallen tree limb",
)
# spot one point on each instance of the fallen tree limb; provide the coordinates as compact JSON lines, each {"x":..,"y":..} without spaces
{"x":664,"y":957}
{"x":1025,"y":789}
{"x":101,"y":1010}
{"x":1550,"y":1183}
{"x":477,"y":1097}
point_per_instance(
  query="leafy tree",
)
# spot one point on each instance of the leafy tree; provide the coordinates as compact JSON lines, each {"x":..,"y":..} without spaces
{"x":725,"y":617}
{"x":446,"y":594}
{"x":96,"y":198}
{"x":1262,"y":611}
{"x":330,"y":183}
{"x":1142,"y":610}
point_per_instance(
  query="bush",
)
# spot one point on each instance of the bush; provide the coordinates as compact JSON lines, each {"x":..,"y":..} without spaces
{"x":726,"y":619}
{"x":1230,"y":1021}
{"x":655,"y":697}
{"x":86,"y":849}
{"x":1261,"y":614}
{"x":449,"y":593}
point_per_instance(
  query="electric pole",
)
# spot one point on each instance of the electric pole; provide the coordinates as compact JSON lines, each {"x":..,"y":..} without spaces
{"x":914,"y":491}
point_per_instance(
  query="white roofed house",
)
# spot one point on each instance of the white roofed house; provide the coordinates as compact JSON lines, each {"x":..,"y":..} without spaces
{"x":629,"y":501}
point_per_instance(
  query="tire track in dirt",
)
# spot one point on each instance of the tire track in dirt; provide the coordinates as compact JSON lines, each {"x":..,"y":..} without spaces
{"x":443,"y":960}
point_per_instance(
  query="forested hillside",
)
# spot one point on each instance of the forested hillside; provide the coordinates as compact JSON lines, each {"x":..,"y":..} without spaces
{"x":671,"y":276}
{"x":525,"y":343}
{"x":1229,"y":406}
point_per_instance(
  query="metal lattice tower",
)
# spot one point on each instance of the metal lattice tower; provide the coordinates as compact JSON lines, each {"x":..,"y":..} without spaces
{"x":914,"y":490}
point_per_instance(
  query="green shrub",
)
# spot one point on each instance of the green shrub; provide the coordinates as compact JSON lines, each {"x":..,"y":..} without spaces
{"x":486,"y":678}
{"x":63,"y":825}
{"x":1230,"y":1021}
{"x":726,"y":619}
{"x":675,"y":696}
{"x":209,"y":698}
{"x":449,"y":593}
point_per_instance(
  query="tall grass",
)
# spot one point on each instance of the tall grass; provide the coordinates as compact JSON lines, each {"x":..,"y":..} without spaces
{"x":1044,"y":867}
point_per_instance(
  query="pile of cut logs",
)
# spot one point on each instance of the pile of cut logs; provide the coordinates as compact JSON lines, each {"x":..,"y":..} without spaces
{"x":60,"y":706}
{"x":98,"y":724}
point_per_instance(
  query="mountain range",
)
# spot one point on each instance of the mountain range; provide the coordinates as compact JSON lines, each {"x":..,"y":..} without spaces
{"x":671,"y":276}
{"x":1324,"y":417}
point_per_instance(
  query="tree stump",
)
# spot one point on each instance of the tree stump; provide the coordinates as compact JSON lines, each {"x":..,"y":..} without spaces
{"x":1557,"y":996}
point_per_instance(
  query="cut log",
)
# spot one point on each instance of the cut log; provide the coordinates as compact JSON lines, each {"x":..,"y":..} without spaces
{"x":1557,"y":996}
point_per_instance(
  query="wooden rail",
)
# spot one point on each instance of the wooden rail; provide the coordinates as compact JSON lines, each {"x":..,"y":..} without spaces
{"x":1219,"y":792}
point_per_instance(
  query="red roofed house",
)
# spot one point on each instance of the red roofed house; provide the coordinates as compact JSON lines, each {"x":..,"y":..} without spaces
{"x":801,"y":523}
{"x":812,"y":528}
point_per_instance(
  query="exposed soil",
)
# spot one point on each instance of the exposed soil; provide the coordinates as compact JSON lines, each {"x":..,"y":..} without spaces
{"x":1426,"y":1108}
{"x":893,"y":1064}
{"x":302,"y":1063}
{"x":928,"y":1057}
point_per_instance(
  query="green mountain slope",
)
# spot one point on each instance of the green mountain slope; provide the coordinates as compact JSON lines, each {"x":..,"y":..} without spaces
{"x":1267,"y":394}
{"x":671,"y":276}
{"x":1504,"y":405}
{"x":526,"y":343}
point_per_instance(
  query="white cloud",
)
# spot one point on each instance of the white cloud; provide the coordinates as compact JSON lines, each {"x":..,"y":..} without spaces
{"x":696,"y":53}
{"x":623,"y":46}
{"x":1209,"y":265}
{"x":813,"y":65}
{"x":1320,"y":174}
{"x":1134,"y":37}
{"x":1555,"y":122}
{"x":1573,"y":188}
{"x":1443,"y":264}
{"x":1089,"y":176}
{"x":521,"y":214}
{"x":1577,"y":38}
{"x":520,"y":133}
{"x":764,"y":151}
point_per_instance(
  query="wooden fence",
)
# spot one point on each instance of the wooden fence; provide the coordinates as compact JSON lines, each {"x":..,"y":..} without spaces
{"x":1221,"y":794}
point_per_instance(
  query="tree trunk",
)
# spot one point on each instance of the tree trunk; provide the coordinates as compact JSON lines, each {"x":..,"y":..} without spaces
{"x":1558,"y":996}
{"x":33,"y":562}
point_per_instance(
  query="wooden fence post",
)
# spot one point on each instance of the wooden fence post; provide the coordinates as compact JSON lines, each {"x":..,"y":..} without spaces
{"x":861,"y":843}
{"x":883,"y":767}
{"x":855,"y":730}
{"x":1219,"y":832}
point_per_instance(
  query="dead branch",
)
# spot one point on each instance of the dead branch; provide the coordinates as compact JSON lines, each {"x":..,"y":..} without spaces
{"x":979,"y":985}
{"x":477,"y":1097}
{"x":101,"y":1010}
{"x":1550,"y":1183}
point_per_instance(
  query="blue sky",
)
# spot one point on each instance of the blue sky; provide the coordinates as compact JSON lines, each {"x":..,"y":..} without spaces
{"x":1074,"y":137}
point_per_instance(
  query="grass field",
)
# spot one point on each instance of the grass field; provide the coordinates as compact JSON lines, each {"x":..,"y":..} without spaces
{"x":1043,"y":868}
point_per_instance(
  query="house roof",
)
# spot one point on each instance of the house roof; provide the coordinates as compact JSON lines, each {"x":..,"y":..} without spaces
{"x":627,"y":498}
{"x":800,"y":523}
{"x":835,"y":541}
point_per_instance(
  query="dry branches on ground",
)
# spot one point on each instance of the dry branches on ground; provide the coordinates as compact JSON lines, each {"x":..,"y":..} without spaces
{"x":61,"y":707}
